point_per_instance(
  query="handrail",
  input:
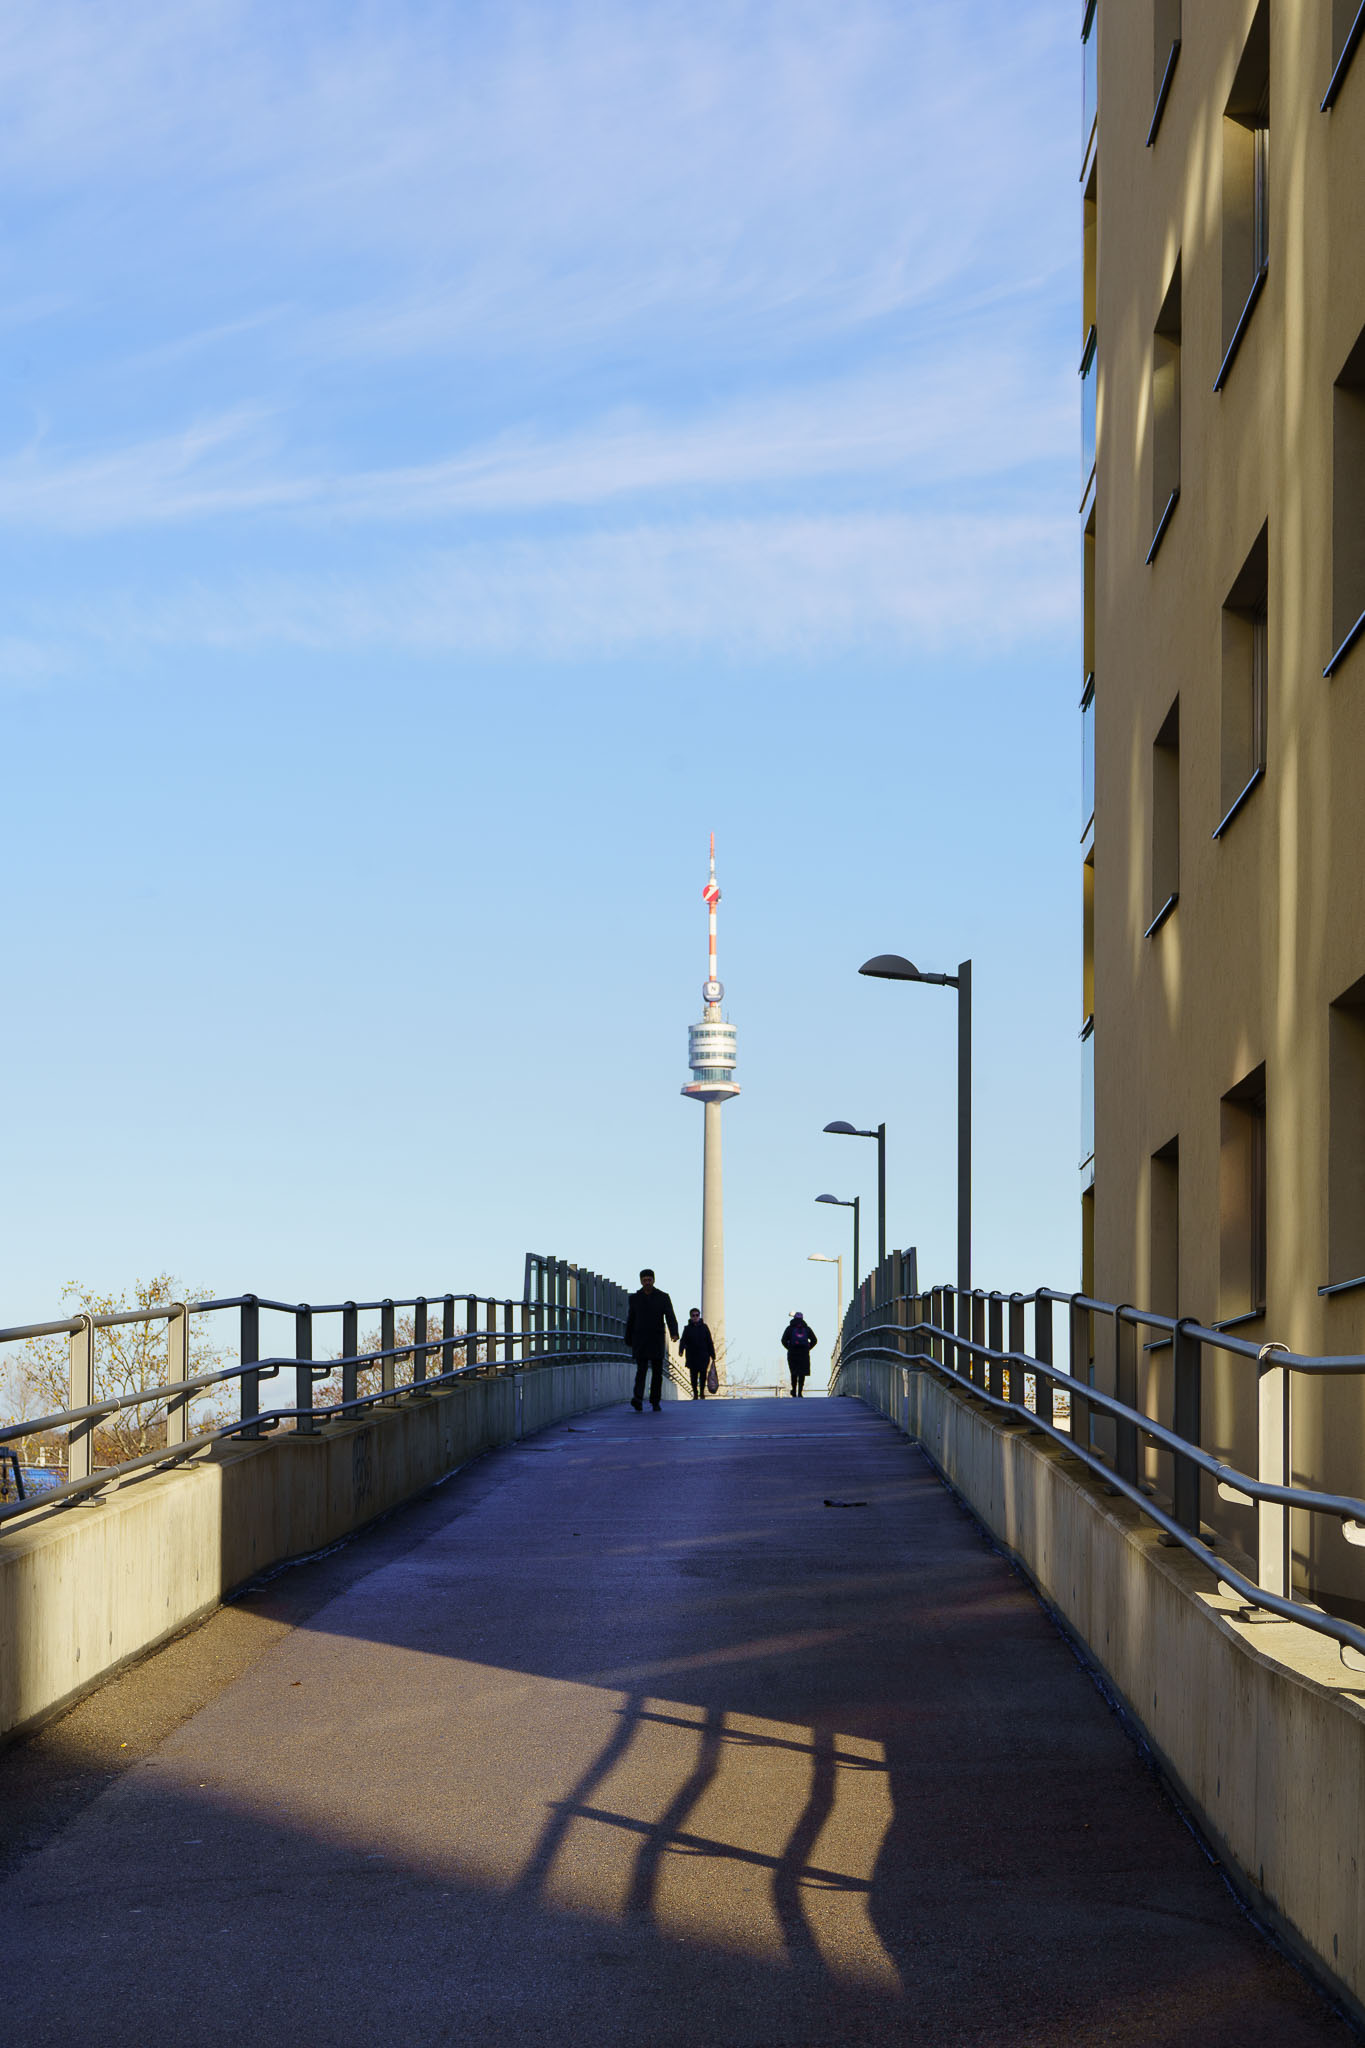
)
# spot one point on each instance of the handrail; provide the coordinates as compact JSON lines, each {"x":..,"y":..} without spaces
{"x":166,"y":1312}
{"x":1347,"y":1506}
{"x":565,"y":1313}
{"x":174,"y":1454}
{"x":968,"y":1344}
{"x":1342,"y":1632}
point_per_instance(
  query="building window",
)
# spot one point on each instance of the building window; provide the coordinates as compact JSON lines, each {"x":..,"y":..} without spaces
{"x":1165,"y":52}
{"x":1242,"y":1200}
{"x":1246,"y":660}
{"x":1090,"y":72}
{"x":1088,"y":940}
{"x":1089,"y":384}
{"x":1246,"y":188}
{"x":1088,"y":1095}
{"x":1165,"y":819}
{"x":1087,"y":755}
{"x":1088,"y":596}
{"x":1346,"y":1135}
{"x":1166,"y":412}
{"x":1090,"y":230}
{"x":1348,"y":506}
{"x":1348,"y":27}
{"x":1164,"y":1230}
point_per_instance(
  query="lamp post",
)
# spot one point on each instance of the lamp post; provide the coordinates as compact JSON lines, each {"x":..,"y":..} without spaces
{"x":843,"y":1130}
{"x":834,"y":1201}
{"x":895,"y":967}
{"x":824,"y":1259}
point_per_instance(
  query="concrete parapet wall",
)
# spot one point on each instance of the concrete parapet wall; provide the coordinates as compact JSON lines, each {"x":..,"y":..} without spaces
{"x":1258,"y":1724}
{"x":86,"y":1588}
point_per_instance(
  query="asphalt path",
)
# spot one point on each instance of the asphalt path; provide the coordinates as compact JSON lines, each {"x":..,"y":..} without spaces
{"x":630,"y":1734}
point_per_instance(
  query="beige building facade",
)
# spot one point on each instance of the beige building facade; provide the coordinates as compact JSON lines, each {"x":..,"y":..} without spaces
{"x":1223,"y":541}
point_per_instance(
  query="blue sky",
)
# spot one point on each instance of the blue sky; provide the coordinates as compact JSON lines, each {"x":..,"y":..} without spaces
{"x":452,"y":457}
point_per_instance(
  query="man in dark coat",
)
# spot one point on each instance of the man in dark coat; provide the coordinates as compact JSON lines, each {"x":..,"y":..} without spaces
{"x":798,"y":1341}
{"x":649,"y":1315}
{"x":698,"y":1348}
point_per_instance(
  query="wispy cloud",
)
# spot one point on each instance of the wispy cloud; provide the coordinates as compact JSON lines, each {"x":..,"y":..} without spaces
{"x":800,"y":586}
{"x":643,"y":317}
{"x":534,"y":175}
{"x":952,"y":421}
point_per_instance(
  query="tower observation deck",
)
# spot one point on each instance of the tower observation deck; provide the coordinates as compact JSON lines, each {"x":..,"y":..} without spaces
{"x":711,"y":1054}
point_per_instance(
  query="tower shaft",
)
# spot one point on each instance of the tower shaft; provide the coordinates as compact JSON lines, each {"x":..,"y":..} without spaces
{"x":713,"y":1234}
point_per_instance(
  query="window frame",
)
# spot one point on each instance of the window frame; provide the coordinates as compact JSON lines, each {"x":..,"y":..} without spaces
{"x":1342,"y":63}
{"x":1163,"y":85}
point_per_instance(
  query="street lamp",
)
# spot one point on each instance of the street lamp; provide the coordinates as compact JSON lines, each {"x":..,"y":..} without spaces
{"x":824,"y":1259}
{"x":895,"y":967}
{"x":843,"y":1130}
{"x":854,"y":1206}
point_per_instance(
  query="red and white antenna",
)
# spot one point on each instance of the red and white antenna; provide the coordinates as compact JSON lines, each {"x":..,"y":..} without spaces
{"x":711,"y":897}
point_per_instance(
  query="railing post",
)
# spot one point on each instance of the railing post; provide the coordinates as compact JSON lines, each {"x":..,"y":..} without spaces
{"x":948,"y":1317}
{"x":419,"y":1338}
{"x":1042,"y":1352}
{"x":178,"y":1368}
{"x":995,"y":1337}
{"x":1188,"y":1376}
{"x":1079,"y":1334}
{"x":249,"y":1347}
{"x":936,"y":1318}
{"x":526,"y":1315}
{"x":1125,"y":1390}
{"x":978,"y":1334}
{"x":387,"y":1337}
{"x":448,"y":1333}
{"x":490,"y":1323}
{"x":1274,"y":1465}
{"x":303,"y":1373}
{"x":508,"y":1341}
{"x":350,"y":1344}
{"x":1016,"y":1338}
{"x":80,"y":1440}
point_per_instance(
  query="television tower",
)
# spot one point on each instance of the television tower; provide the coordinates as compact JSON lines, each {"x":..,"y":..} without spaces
{"x":711,"y":1056}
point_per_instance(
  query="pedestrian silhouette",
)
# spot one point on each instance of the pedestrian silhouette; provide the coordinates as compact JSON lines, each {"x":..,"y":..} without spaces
{"x":650,"y":1314}
{"x":699,"y":1350}
{"x":798,"y":1341}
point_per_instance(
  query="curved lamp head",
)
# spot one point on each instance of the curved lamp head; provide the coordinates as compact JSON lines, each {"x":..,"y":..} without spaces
{"x":895,"y":967}
{"x":890,"y":967}
{"x":821,"y":1259}
{"x":844,"y":1130}
{"x":835,"y":1199}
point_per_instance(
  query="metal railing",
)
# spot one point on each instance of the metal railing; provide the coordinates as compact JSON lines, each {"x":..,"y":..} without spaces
{"x":983,"y":1341}
{"x":566,"y":1313}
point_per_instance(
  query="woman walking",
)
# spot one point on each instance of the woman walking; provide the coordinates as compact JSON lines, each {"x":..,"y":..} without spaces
{"x":798,"y":1341}
{"x":698,"y":1349}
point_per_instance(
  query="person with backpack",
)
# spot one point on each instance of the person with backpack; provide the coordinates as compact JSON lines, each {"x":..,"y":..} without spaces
{"x":798,"y":1341}
{"x":699,"y":1350}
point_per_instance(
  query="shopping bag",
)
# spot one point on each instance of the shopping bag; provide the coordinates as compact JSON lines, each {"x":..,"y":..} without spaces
{"x":713,"y":1379}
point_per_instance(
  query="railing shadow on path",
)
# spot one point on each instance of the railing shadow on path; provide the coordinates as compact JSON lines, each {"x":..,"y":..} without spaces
{"x":609,"y":1751}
